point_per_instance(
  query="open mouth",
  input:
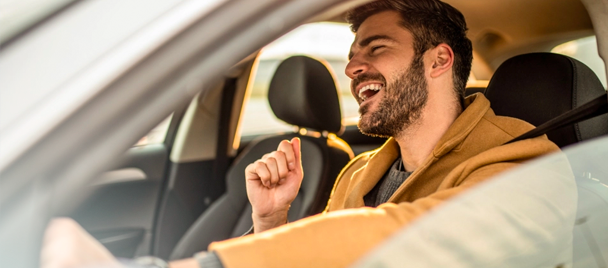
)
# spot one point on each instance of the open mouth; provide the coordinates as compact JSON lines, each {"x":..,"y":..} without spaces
{"x":368,"y":91}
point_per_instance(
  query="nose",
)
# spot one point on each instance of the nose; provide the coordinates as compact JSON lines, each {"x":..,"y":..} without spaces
{"x":356,"y":66}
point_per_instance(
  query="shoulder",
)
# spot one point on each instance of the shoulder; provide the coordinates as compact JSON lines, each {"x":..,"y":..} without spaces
{"x":501,"y":129}
{"x":525,"y":149}
{"x":499,"y":159}
{"x":478,"y":106}
{"x":509,"y":125}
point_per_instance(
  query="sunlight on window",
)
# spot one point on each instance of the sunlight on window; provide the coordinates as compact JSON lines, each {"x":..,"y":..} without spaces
{"x":325,"y":41}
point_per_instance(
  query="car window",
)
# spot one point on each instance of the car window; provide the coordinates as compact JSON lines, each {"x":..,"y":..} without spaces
{"x":325,"y":41}
{"x":584,"y":50}
{"x":157,"y":134}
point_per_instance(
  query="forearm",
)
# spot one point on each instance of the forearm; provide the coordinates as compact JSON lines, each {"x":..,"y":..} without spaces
{"x":335,"y":239}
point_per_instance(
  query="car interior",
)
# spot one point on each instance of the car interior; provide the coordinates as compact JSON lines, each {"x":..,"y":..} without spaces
{"x":172,"y":198}
{"x":302,"y":93}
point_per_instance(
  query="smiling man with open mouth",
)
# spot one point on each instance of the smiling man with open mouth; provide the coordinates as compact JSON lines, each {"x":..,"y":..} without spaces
{"x":409,"y":65}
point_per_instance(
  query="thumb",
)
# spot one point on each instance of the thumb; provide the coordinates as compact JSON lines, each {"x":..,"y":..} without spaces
{"x":295,"y":143}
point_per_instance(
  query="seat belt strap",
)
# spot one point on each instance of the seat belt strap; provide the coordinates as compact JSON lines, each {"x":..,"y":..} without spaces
{"x":596,"y":107}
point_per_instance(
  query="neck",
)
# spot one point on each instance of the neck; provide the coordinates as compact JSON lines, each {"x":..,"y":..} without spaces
{"x":417,"y":141}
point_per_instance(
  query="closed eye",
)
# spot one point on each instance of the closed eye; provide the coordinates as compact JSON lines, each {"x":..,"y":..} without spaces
{"x":374,"y":48}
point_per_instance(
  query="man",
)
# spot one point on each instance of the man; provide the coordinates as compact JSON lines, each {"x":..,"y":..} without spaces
{"x":409,"y":65}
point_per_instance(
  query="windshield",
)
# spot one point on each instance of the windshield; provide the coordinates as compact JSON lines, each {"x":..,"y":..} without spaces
{"x":551,"y":212}
{"x":18,"y":15}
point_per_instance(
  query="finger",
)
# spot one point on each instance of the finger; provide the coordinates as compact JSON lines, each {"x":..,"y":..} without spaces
{"x":251,"y":173}
{"x":263,"y":173}
{"x":282,"y":165}
{"x":264,"y":157}
{"x":287,"y":148}
{"x":271,"y":164}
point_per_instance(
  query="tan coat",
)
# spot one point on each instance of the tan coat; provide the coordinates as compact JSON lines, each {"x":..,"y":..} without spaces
{"x":468,"y":153}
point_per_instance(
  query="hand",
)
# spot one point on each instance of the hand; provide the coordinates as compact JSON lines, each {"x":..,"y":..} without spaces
{"x":67,"y":245}
{"x":273,"y":183}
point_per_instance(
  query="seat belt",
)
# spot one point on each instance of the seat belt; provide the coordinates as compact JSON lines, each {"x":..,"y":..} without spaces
{"x":596,"y":107}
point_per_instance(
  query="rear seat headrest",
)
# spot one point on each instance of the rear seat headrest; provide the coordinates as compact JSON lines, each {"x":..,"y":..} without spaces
{"x":537,"y":87}
{"x":303,"y":93}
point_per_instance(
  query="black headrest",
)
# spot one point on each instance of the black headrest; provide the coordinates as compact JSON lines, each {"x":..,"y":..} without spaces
{"x":540,"y":86}
{"x":303,"y":93}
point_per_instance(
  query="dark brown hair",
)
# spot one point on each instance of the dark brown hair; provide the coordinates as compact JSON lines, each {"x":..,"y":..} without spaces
{"x":431,"y":23}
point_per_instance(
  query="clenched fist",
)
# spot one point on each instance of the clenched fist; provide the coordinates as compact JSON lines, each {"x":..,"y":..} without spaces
{"x":273,"y":183}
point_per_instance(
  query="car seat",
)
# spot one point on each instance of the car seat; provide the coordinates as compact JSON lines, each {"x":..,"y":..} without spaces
{"x":538,"y":87}
{"x":302,"y":93}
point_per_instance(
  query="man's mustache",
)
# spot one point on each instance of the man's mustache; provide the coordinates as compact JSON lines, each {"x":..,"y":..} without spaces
{"x":367,"y":77}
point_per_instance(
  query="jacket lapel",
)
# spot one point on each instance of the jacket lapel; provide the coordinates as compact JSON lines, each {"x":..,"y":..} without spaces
{"x":368,"y":176}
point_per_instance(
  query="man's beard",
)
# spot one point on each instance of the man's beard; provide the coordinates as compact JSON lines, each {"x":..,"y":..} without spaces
{"x":401,"y":105}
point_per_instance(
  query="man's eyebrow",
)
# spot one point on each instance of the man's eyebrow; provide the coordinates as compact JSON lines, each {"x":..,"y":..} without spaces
{"x":370,"y":39}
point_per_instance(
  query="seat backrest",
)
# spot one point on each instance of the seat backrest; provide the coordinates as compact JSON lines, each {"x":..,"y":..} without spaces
{"x":538,"y":87}
{"x":303,"y":93}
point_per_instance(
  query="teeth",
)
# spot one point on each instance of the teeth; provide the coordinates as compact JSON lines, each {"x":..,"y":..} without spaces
{"x":374,"y":87}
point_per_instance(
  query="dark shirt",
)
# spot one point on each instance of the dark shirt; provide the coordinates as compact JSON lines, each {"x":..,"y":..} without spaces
{"x":387,"y":186}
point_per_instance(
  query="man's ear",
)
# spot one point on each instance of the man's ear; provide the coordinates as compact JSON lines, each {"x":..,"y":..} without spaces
{"x":442,"y":60}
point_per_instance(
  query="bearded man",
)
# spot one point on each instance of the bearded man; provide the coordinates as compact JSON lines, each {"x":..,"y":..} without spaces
{"x":409,"y":65}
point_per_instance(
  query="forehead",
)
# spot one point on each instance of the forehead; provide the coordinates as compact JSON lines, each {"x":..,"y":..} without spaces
{"x":386,"y":23}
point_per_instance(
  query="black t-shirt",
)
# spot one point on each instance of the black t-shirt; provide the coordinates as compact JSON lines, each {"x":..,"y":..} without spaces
{"x":386,"y":187}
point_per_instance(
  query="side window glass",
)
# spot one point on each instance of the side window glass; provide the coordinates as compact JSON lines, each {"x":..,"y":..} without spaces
{"x":157,"y":134}
{"x":325,"y":41}
{"x":584,"y":50}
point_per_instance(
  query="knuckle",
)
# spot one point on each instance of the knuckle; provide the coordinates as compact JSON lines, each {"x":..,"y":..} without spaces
{"x":276,"y":154}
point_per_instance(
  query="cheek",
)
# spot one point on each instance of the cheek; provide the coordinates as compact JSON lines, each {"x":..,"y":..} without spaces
{"x":352,"y":88}
{"x":392,"y":72}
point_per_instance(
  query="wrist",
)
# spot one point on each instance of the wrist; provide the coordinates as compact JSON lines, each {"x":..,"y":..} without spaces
{"x":265,"y":222}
